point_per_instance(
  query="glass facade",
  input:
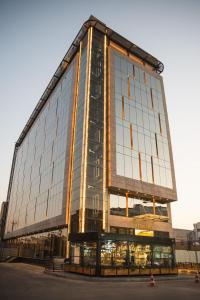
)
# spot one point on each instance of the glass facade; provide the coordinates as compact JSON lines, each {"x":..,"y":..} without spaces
{"x":134,"y":206}
{"x":124,"y":254}
{"x":41,"y":245}
{"x":92,"y":143}
{"x":39,"y":176}
{"x":99,"y":138}
{"x":84,"y":253}
{"x":79,"y":142}
{"x":94,"y":176}
{"x":142,"y":150}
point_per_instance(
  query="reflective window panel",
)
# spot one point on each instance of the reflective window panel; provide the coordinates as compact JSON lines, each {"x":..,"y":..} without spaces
{"x":39,"y":173}
{"x":142,"y":150}
{"x":135,"y":206}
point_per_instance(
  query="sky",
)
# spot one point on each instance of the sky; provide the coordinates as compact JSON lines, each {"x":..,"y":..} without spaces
{"x":34,"y":37}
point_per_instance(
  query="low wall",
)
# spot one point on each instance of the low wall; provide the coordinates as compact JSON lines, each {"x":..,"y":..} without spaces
{"x":91,"y":271}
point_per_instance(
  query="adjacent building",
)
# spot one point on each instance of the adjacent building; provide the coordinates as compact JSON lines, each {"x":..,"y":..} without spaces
{"x":3,"y":213}
{"x":93,"y":177}
{"x":196,"y":232}
{"x":187,"y":247}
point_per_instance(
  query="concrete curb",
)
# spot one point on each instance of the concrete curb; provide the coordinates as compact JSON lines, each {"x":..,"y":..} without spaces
{"x":73,"y":276}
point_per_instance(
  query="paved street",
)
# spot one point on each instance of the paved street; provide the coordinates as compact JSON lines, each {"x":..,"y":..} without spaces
{"x":20,"y":281}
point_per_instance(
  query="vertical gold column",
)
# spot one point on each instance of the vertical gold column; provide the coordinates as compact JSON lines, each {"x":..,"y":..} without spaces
{"x":131,"y":135}
{"x":108,"y":119}
{"x":126,"y":204}
{"x":140,"y":165}
{"x":85,"y":134}
{"x":105,"y":196}
{"x":70,"y":177}
{"x":154,"y":206}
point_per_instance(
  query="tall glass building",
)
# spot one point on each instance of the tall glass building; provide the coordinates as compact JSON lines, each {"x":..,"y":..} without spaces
{"x":92,"y":176}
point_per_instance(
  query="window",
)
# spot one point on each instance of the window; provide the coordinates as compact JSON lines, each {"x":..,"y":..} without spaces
{"x":161,"y":209}
{"x":136,"y":172}
{"x":129,"y":88}
{"x":151,"y":92}
{"x":142,"y":151}
{"x":113,"y":229}
{"x":140,"y":165}
{"x":98,"y":135}
{"x":123,"y":114}
{"x":120,"y":164}
{"x":133,"y":71}
{"x":145,"y":78}
{"x":95,"y":204}
{"x":160,"y":123}
{"x":152,"y":169}
{"x":97,"y":168}
{"x":131,"y":135}
{"x":117,"y":205}
{"x":156,"y":141}
{"x":128,"y":166}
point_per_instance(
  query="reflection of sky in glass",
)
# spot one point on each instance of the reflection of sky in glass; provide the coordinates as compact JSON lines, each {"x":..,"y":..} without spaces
{"x":38,"y":181}
{"x":140,"y":125}
{"x":135,"y":206}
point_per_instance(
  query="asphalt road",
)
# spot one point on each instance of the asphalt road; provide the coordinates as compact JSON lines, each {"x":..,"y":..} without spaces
{"x":25,"y":282}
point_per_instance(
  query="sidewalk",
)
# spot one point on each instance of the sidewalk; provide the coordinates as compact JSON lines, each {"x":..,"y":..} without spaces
{"x":74,"y":276}
{"x":22,"y":266}
{"x":78,"y":277}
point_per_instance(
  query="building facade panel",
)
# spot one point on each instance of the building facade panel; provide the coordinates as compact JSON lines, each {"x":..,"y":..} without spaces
{"x":76,"y":194}
{"x":37,"y":190}
{"x":95,"y":146}
{"x":87,"y":197}
{"x":140,"y":155}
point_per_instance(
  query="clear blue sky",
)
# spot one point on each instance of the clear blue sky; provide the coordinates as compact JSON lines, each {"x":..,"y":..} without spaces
{"x":34,"y":36}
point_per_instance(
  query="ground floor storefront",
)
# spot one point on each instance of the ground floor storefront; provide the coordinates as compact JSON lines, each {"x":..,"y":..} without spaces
{"x":43,"y":245}
{"x":113,"y":255}
{"x":97,"y":254}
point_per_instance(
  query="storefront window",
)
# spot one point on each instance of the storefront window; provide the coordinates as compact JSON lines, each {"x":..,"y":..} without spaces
{"x":89,"y":254}
{"x":122,"y":254}
{"x":142,"y":255}
{"x":42,"y":245}
{"x":75,"y":254}
{"x":162,"y":256}
{"x":108,"y":250}
{"x":114,"y":254}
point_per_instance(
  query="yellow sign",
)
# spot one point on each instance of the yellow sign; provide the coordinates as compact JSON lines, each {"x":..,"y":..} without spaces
{"x":144,"y":232}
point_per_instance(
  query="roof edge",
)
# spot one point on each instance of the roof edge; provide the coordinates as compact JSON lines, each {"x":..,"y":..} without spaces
{"x":112,"y":35}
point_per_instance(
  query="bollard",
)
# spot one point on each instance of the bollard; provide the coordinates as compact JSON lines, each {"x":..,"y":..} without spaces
{"x":152,"y":281}
{"x":197,"y":277}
